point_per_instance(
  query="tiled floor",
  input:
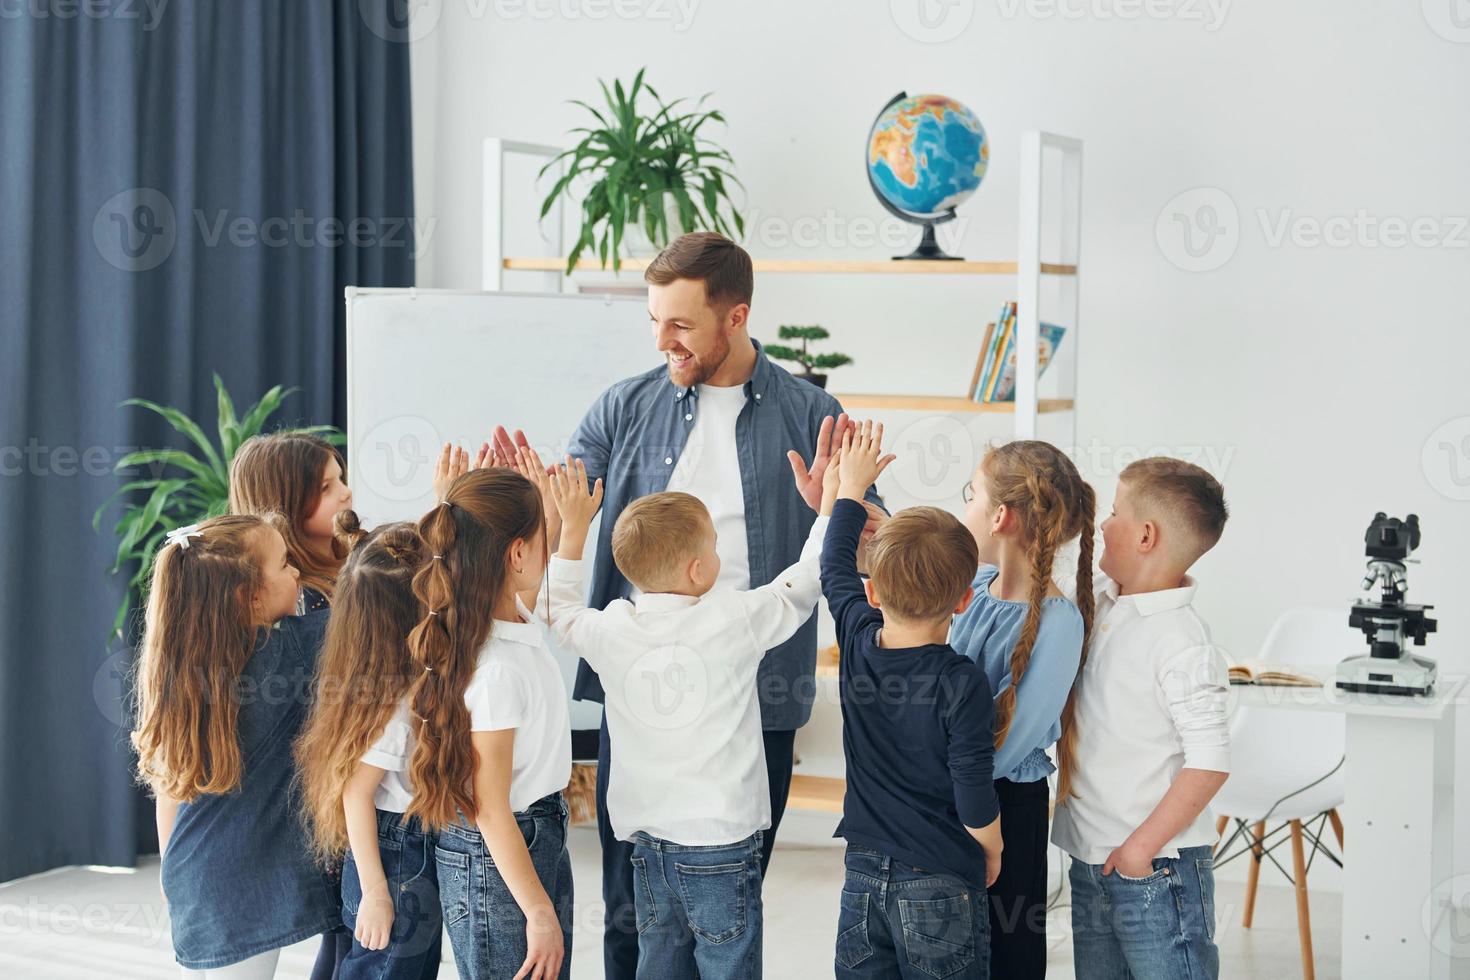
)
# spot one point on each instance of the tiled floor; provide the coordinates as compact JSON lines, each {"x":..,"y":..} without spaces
{"x":76,"y":924}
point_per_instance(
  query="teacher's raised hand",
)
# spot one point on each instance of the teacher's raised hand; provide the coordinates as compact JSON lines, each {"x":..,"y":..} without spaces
{"x":809,"y":479}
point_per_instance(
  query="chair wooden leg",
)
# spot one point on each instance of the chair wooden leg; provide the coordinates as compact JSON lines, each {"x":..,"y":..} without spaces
{"x":1336,"y":825}
{"x":1253,"y":873}
{"x":1303,"y":913}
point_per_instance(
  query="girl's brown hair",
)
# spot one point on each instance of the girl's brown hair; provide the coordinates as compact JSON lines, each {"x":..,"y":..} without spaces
{"x":197,"y":637}
{"x":365,"y":669}
{"x":281,"y":472}
{"x":469,"y":536}
{"x":1053,"y":504}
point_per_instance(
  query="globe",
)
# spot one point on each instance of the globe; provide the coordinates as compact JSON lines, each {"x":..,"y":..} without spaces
{"x":926,"y":155}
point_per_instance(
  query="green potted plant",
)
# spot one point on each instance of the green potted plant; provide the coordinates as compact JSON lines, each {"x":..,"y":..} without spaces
{"x":200,"y":488}
{"x":648,"y":171}
{"x":803,"y":356}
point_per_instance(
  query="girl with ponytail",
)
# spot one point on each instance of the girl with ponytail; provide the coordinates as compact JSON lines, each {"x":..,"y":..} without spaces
{"x":223,"y":685}
{"x":1024,"y":502}
{"x":354,"y":755}
{"x":492,"y":750}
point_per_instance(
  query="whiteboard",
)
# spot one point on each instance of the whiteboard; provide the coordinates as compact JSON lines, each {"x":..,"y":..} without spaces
{"x":429,"y":366}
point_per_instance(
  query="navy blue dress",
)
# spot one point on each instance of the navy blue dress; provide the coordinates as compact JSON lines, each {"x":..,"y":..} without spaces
{"x":238,"y":872}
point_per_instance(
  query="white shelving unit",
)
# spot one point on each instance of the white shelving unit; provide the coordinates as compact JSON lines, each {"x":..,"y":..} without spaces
{"x":1050,"y":222}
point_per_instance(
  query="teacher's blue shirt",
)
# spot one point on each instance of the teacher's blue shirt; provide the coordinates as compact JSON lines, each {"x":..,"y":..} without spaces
{"x":986,"y":632}
{"x":632,"y":437}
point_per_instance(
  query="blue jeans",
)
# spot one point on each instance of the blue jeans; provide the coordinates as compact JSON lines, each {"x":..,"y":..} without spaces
{"x":412,"y":953}
{"x":698,"y":909}
{"x":901,"y":921}
{"x":1157,"y":928}
{"x":486,"y":926}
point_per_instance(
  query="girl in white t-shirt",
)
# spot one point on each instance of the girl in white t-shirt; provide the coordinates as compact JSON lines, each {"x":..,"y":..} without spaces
{"x":353,"y":755}
{"x":493,"y":746}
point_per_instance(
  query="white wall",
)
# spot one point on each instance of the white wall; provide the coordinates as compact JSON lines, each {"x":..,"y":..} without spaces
{"x":1314,"y":374}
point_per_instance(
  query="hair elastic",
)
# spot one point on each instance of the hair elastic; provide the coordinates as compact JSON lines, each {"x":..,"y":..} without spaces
{"x":438,"y":558}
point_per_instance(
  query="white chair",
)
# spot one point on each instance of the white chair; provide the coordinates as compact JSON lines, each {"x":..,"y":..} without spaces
{"x":1286,"y":767}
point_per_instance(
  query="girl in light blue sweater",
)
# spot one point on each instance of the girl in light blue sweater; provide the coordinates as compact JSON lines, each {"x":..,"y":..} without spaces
{"x":1023,"y":503}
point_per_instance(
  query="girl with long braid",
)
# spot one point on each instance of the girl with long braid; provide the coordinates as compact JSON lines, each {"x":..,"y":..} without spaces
{"x":492,"y":749}
{"x":1024,"y":502}
{"x":354,"y":754}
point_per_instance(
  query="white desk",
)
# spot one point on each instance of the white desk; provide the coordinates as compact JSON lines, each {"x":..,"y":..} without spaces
{"x":1398,"y":912}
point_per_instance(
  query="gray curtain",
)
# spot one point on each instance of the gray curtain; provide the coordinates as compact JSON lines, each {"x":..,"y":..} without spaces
{"x":187,"y":187}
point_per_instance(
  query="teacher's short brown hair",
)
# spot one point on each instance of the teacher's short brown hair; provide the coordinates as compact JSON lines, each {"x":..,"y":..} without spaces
{"x":710,"y":258}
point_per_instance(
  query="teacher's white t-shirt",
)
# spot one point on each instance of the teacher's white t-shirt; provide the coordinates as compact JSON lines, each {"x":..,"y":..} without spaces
{"x":709,"y":468}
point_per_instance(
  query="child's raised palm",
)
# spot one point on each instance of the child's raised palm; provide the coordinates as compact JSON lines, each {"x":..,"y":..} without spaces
{"x":574,"y":502}
{"x":862,"y":458}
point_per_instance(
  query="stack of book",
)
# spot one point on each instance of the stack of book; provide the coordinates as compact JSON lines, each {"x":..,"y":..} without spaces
{"x":994,"y":379}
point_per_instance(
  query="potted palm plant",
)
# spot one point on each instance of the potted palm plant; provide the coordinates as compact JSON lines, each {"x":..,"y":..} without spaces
{"x":809,"y":362}
{"x":199,"y":487}
{"x":651,"y":171}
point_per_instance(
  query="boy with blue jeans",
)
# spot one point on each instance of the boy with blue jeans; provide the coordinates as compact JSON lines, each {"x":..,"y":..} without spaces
{"x":678,"y":665}
{"x":920,"y":816}
{"x":1153,"y":746}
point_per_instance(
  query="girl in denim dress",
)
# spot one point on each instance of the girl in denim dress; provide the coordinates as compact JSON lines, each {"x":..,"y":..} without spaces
{"x":221,"y":697}
{"x":301,"y":477}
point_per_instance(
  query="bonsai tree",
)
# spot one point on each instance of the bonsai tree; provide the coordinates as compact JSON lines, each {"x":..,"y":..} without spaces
{"x":810,"y":363}
{"x":200,"y":488}
{"x":638,"y":161}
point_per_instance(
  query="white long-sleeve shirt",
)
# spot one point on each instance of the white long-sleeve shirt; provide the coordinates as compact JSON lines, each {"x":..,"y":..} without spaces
{"x":1152,"y":701}
{"x":679,"y":676}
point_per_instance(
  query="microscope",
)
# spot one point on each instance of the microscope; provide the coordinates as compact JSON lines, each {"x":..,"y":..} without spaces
{"x":1389,"y":622}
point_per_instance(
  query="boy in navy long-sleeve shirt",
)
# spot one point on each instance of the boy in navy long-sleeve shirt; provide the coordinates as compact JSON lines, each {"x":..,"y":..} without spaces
{"x":920,"y":816}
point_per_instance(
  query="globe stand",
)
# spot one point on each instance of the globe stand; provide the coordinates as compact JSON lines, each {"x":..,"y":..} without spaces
{"x":929,"y":249}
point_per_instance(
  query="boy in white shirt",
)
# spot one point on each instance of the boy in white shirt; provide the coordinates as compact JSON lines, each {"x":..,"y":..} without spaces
{"x":688,"y":786}
{"x":1153,"y":745}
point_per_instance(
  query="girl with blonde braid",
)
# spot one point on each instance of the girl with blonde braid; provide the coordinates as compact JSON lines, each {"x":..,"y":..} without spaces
{"x":1023,"y":503}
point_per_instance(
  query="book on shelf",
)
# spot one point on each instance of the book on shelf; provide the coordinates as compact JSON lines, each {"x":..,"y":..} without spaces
{"x":980,"y":361}
{"x":1003,"y":327}
{"x":1264,"y":674}
{"x":998,"y":372}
